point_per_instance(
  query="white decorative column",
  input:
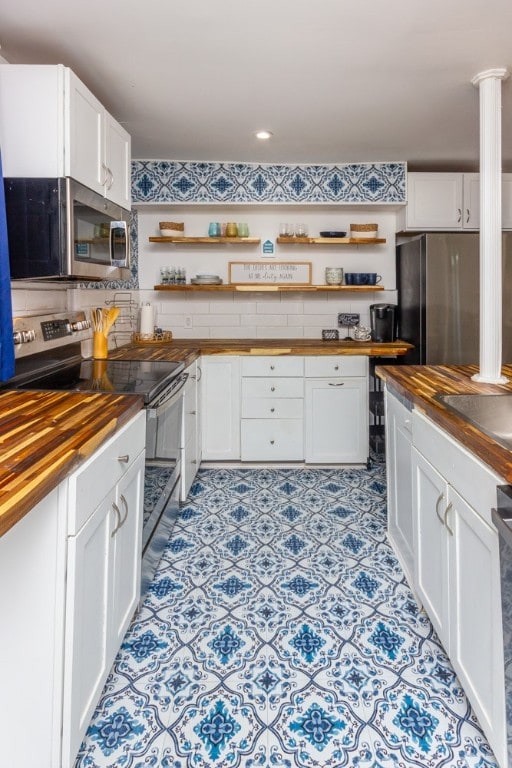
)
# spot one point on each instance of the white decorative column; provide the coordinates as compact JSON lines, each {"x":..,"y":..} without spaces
{"x":489,"y":83}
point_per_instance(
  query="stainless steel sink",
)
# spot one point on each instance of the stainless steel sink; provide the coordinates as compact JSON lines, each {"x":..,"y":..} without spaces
{"x":492,"y":414}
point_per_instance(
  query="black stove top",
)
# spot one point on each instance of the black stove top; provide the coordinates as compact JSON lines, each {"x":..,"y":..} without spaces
{"x":129,"y":377}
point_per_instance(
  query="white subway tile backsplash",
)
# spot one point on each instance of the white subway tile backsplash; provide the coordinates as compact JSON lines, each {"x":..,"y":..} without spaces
{"x":215,"y":320}
{"x":321,"y":321}
{"x":283,"y":332}
{"x":261,"y":321}
{"x":232,"y":332}
{"x":280,"y":307}
{"x":232,"y":307}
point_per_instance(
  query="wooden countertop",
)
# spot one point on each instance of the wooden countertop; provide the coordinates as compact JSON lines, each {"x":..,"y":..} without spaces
{"x":420,"y":383}
{"x":46,"y":435}
{"x":189,"y":349}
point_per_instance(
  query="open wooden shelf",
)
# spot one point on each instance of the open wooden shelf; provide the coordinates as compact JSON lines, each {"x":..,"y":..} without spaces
{"x":274,"y":288}
{"x":206,"y":240}
{"x":330,"y":240}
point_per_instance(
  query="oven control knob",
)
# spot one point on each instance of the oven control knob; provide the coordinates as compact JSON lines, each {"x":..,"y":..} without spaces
{"x":80,"y":325}
{"x":23,"y":337}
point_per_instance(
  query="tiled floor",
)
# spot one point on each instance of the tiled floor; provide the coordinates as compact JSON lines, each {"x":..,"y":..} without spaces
{"x":279,"y":632}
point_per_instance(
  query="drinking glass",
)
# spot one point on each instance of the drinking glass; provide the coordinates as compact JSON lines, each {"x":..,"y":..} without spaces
{"x":231,"y":229}
{"x":214,"y":229}
{"x":243,"y":230}
{"x":301,"y":230}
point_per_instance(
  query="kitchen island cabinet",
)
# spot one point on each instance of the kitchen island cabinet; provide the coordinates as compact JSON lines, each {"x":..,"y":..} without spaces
{"x":455,"y":547}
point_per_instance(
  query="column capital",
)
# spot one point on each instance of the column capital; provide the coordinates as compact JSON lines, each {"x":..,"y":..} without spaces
{"x":500,"y":73}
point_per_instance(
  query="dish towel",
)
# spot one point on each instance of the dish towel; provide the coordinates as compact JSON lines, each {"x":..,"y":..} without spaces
{"x":6,"y":340}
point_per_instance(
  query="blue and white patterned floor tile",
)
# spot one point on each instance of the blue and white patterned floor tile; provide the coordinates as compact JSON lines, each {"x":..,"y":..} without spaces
{"x":279,"y":633}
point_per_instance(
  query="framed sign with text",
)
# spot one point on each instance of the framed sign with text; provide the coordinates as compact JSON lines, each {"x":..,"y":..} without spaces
{"x":270,"y":272}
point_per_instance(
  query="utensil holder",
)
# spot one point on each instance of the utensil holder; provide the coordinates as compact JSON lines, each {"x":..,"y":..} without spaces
{"x":99,"y":345}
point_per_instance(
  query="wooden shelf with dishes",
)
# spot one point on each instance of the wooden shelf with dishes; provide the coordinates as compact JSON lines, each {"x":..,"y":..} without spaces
{"x":330,"y":240}
{"x":207,"y":240}
{"x":272,"y":288}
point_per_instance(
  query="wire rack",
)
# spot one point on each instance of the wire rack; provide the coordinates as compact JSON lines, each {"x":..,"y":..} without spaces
{"x":126,"y":323}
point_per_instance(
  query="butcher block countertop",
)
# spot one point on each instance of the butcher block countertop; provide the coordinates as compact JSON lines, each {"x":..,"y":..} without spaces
{"x":189,"y":349}
{"x":420,"y":383}
{"x":46,"y":435}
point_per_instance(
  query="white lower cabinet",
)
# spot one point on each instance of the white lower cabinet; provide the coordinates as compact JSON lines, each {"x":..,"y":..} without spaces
{"x":71,"y":575}
{"x":457,"y":569}
{"x":103,"y":574}
{"x":399,"y":482}
{"x":32,"y":574}
{"x":272,"y":424}
{"x":336,"y":410}
{"x":220,"y":407}
{"x":191,"y":449}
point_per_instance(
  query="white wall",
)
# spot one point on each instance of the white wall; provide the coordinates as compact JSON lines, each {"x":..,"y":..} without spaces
{"x":259,"y":314}
{"x":233,"y":314}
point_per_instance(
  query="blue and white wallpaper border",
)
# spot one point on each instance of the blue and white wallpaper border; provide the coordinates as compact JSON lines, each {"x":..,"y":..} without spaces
{"x":170,"y":181}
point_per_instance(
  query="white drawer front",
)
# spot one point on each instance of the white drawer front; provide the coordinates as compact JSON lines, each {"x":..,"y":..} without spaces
{"x":269,"y":387}
{"x":336,"y":365}
{"x":272,"y":440}
{"x":94,"y":479}
{"x":268,"y":365}
{"x":272,"y":408}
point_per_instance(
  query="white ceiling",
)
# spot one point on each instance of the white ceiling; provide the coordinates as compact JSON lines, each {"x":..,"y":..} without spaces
{"x":335,"y":80}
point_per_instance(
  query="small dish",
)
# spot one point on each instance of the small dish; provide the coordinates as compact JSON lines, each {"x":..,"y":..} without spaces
{"x":331,"y":233}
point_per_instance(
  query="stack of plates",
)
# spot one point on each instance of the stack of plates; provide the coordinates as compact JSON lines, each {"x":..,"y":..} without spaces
{"x":206,"y":280}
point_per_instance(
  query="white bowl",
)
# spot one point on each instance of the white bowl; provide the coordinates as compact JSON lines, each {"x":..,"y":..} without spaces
{"x":171,"y":232}
{"x":360,"y":235}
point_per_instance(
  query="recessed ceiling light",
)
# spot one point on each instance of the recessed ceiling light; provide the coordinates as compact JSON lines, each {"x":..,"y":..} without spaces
{"x":263,"y":135}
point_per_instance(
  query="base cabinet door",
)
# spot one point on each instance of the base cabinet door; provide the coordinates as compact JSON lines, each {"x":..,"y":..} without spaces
{"x":431,"y":568}
{"x":476,"y":650}
{"x":220,"y":395}
{"x":336,"y":424}
{"x":399,"y":481}
{"x":88,"y":601}
{"x":191,"y":450}
{"x":125,"y":543}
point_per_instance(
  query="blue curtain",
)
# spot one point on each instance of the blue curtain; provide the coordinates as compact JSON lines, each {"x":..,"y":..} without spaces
{"x":6,"y":342}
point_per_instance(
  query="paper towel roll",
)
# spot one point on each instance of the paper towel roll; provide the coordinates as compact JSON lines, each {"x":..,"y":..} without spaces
{"x":147,"y":320}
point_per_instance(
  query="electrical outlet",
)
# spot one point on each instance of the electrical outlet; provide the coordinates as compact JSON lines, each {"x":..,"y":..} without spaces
{"x":348,"y":318}
{"x":188,"y":321}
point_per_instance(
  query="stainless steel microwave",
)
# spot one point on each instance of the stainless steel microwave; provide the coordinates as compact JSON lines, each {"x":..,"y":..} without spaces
{"x":60,"y":230}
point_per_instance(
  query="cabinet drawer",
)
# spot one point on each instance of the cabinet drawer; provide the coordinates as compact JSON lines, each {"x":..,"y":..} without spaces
{"x":272,"y":408}
{"x":94,"y":479}
{"x":335,"y":365}
{"x":269,"y":365}
{"x":264,"y":387}
{"x":272,"y":440}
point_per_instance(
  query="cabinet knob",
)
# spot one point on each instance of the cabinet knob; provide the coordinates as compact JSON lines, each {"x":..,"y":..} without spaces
{"x":336,"y":367}
{"x":272,"y":442}
{"x":194,"y":461}
{"x":192,"y":413}
{"x":124,"y":459}
{"x":272,"y":367}
{"x":272,"y":410}
{"x":272,"y":389}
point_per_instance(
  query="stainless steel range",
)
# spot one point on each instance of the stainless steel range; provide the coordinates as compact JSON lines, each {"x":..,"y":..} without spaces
{"x":48,"y":351}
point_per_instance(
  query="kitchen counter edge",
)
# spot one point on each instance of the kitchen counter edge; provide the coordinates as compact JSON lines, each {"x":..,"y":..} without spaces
{"x":419,"y":384}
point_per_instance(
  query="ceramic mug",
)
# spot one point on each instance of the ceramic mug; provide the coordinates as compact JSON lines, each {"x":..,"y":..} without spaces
{"x":373,"y":278}
{"x":333,"y":275}
{"x":362,"y":278}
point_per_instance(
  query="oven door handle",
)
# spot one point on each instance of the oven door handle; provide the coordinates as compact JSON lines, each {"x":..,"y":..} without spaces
{"x":155,"y":413}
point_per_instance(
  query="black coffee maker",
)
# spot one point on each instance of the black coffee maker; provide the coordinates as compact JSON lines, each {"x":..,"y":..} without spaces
{"x":383,"y":322}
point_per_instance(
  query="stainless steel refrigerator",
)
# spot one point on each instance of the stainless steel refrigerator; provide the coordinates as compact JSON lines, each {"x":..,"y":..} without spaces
{"x":438,"y":278}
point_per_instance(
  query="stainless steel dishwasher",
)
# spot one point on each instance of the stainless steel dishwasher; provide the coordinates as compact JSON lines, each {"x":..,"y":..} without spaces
{"x":502,"y":519}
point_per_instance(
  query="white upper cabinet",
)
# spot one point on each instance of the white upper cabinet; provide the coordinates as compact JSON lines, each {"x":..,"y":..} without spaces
{"x":52,"y":125}
{"x":449,"y":201}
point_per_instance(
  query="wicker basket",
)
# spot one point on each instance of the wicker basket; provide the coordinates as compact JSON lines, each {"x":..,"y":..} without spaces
{"x":156,"y":338}
{"x":179,"y":225}
{"x":364,"y":227}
